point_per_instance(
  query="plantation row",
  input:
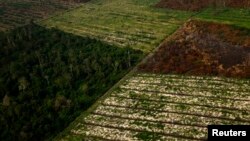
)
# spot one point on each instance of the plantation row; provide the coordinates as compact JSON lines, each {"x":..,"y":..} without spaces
{"x":164,"y":107}
{"x":123,"y":23}
{"x":20,"y":12}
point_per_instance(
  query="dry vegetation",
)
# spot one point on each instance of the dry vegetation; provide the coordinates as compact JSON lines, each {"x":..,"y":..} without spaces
{"x":196,"y":5}
{"x":203,"y":48}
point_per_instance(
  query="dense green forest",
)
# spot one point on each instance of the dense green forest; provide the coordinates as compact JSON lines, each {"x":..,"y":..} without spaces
{"x":47,"y":77}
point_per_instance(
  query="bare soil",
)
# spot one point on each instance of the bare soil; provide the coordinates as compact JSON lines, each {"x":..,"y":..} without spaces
{"x":203,"y":48}
{"x":196,"y":5}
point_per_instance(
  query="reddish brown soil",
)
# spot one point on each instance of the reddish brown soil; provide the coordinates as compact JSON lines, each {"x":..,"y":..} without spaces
{"x":196,"y":5}
{"x":183,"y":4}
{"x":238,"y":3}
{"x":201,"y":48}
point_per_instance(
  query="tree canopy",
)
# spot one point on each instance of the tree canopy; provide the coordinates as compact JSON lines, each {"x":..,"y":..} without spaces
{"x":47,"y":77}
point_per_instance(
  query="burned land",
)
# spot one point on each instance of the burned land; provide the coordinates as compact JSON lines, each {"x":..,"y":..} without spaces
{"x":196,"y":5}
{"x":203,"y":48}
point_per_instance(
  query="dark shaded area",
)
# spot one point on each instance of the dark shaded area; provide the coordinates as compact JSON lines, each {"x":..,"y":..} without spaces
{"x":196,"y":5}
{"x":48,"y":77}
{"x":76,"y":0}
{"x":202,"y":48}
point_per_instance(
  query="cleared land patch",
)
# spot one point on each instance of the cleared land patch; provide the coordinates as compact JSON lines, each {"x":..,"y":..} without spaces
{"x":19,"y":12}
{"x":124,"y":23}
{"x":203,"y":48}
{"x":164,"y":107}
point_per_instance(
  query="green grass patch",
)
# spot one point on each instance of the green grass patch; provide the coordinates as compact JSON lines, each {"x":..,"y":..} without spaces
{"x":148,"y":136}
{"x":237,"y":17}
{"x":136,"y":24}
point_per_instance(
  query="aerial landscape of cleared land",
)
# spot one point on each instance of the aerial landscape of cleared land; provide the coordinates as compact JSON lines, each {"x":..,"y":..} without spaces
{"x":18,"y":12}
{"x":123,"y":70}
{"x":165,"y":107}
